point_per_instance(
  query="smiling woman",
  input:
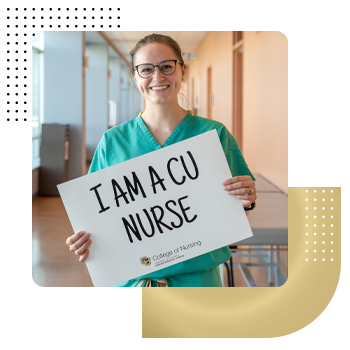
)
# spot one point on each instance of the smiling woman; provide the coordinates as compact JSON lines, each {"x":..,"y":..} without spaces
{"x":158,"y":70}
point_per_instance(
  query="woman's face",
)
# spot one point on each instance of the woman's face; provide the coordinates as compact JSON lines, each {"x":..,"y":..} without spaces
{"x":168,"y":86}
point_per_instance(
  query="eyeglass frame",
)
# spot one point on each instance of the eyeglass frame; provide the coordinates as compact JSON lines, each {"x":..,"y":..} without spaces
{"x":154,"y":68}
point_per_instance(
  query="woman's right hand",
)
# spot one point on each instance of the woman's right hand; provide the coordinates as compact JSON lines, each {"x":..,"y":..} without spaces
{"x":79,"y":243}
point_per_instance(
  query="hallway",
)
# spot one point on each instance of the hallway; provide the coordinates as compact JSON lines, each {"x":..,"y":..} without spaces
{"x":236,"y":78}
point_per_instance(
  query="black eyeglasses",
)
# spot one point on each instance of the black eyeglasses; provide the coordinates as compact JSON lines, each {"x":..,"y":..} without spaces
{"x":146,"y":70}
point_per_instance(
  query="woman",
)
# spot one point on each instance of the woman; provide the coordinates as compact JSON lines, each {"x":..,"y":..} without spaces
{"x":158,"y":70}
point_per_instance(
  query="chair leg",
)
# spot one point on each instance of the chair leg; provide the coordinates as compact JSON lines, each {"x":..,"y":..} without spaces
{"x":231,"y":266}
{"x":228,"y":274}
{"x":270,"y":266}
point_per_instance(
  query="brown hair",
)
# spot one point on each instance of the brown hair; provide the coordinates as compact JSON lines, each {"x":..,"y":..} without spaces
{"x":156,"y":38}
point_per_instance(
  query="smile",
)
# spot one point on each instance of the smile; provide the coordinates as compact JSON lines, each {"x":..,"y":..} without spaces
{"x":157,"y":88}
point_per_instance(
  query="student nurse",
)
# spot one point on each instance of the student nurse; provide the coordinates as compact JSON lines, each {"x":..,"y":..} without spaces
{"x":158,"y":69}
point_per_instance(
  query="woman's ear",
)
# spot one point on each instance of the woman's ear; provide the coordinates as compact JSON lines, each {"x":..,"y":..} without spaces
{"x":135,"y":82}
{"x":132,"y":76}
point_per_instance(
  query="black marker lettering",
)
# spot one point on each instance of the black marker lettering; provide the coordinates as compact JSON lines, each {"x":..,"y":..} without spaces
{"x":194,"y":165}
{"x":99,"y":199}
{"x":133,"y":228}
{"x":171,"y":174}
{"x":174,"y":212}
{"x":134,"y":188}
{"x":150,"y":222}
{"x":122,"y":193}
{"x":160,"y":181}
{"x":159,"y":220}
{"x":184,"y":210}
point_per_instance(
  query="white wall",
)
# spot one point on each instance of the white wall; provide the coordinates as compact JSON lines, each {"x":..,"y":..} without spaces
{"x":265,"y":96}
{"x":265,"y":105}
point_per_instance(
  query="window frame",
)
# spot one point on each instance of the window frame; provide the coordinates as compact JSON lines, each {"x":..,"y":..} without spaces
{"x":36,"y":131}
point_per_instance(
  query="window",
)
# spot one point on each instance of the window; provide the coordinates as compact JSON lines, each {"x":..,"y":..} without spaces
{"x":112,"y":120}
{"x":37,"y":96}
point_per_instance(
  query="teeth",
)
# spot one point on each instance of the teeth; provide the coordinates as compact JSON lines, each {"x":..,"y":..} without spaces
{"x":159,"y":87}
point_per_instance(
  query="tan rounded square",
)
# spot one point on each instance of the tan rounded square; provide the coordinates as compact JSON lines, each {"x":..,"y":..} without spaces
{"x":261,"y":312}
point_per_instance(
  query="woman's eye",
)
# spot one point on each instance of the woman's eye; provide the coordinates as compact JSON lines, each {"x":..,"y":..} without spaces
{"x":167,"y":67}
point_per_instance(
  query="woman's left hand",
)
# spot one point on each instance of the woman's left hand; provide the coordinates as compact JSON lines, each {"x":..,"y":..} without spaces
{"x":243,"y":188}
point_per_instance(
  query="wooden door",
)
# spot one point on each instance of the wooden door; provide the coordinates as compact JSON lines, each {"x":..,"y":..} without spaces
{"x":209,"y":94}
{"x":237,"y":93}
{"x":192,"y":95}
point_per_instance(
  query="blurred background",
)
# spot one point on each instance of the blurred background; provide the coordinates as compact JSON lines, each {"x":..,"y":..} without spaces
{"x":82,"y":87}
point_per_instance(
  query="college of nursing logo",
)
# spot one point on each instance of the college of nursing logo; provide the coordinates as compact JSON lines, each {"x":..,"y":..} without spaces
{"x":145,"y":261}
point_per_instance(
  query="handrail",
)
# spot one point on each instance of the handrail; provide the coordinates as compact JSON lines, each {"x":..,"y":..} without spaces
{"x":260,"y":249}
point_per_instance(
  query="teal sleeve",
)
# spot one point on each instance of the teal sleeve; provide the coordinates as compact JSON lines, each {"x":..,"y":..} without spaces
{"x":99,"y":159}
{"x":234,"y":156}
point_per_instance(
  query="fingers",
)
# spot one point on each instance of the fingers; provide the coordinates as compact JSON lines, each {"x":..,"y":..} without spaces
{"x":241,"y":187}
{"x":248,"y":197}
{"x":72,"y":239}
{"x":76,"y":241}
{"x":84,"y":256}
{"x":79,"y":243}
{"x":83,"y":248}
{"x":233,"y":184}
{"x":236,"y":179}
{"x":240,"y":190}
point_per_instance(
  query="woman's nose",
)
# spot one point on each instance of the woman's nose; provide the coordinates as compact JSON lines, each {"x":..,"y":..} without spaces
{"x":157,"y":75}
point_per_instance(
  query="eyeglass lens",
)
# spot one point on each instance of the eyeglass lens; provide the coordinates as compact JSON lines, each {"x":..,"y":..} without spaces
{"x":166,"y":67}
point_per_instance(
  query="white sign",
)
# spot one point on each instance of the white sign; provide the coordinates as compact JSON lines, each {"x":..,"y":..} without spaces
{"x":156,"y":210}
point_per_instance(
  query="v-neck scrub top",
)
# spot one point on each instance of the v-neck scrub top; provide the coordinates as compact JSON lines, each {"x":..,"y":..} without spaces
{"x":132,"y":139}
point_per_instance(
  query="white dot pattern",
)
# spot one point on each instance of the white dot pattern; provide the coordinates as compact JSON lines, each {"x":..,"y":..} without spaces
{"x":321,"y":221}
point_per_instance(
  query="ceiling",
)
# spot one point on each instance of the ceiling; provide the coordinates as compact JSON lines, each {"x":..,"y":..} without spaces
{"x":125,"y":41}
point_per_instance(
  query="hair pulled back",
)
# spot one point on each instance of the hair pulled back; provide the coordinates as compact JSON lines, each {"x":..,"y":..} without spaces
{"x":160,"y":39}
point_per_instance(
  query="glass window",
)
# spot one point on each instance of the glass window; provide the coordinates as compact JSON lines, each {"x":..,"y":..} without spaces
{"x":37,"y":94}
{"x":112,"y":107}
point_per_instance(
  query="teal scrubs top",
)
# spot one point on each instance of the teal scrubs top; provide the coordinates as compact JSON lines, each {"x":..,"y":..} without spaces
{"x":132,"y":139}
